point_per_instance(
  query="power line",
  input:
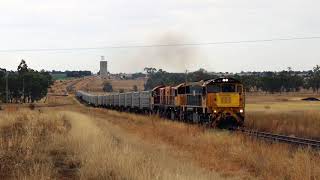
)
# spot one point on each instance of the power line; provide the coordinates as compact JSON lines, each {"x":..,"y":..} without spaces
{"x":162,"y":45}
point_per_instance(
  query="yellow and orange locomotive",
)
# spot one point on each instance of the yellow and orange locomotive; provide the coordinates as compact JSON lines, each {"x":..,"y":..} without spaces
{"x":219,"y":102}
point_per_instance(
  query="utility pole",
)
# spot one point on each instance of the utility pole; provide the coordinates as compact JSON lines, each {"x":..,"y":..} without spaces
{"x":47,"y":93}
{"x":186,"y":76}
{"x":7,"y":87}
{"x":23,"y":88}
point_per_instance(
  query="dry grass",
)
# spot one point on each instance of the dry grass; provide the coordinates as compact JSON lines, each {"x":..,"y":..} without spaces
{"x":127,"y":84}
{"x":298,"y":123}
{"x":62,"y":145}
{"x":95,"y":84}
{"x":111,"y":153}
{"x":25,"y":144}
{"x":232,"y":155}
{"x":284,"y":114}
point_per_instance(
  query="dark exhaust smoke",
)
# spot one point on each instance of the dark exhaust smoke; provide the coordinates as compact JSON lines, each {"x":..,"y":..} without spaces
{"x":169,"y":58}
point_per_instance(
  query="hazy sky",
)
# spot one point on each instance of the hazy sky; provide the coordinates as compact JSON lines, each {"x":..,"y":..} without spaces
{"x":44,"y":24}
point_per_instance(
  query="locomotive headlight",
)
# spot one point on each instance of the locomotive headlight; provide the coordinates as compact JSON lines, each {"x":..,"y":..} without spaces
{"x":241,"y":110}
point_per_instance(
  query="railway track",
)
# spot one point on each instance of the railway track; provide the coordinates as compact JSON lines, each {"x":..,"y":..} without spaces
{"x":302,"y":142}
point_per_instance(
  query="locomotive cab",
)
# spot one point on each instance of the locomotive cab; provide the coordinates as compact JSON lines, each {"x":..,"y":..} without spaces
{"x":224,"y":101}
{"x":180,"y":92}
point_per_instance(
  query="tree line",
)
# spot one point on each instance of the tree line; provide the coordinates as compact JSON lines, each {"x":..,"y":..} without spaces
{"x":283,"y":81}
{"x":161,"y":77}
{"x":271,"y":82}
{"x":78,"y":73}
{"x":73,"y":73}
{"x":24,"y":85}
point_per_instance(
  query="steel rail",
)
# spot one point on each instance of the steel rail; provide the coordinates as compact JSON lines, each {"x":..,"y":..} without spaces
{"x":280,"y":138}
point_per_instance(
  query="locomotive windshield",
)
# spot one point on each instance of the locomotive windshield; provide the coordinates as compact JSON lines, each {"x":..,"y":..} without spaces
{"x":216,"y":88}
{"x":228,"y":88}
{"x":193,"y":89}
{"x":213,"y":88}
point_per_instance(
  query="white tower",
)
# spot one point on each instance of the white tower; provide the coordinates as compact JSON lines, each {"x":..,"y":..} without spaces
{"x":103,"y":67}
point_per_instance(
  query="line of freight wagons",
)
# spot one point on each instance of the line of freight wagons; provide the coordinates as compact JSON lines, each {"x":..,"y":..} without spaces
{"x":130,"y":100}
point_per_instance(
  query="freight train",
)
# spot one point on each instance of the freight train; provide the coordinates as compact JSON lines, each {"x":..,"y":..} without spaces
{"x":217,"y":102}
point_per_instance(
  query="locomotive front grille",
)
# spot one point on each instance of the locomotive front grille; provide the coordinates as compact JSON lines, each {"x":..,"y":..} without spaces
{"x":228,"y":100}
{"x":225,"y":100}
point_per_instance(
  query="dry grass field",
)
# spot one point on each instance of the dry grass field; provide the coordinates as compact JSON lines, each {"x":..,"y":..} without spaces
{"x":89,"y":143}
{"x":127,"y":84}
{"x":95,"y":84}
{"x":284,"y":114}
{"x":51,"y":144}
{"x":298,"y":123}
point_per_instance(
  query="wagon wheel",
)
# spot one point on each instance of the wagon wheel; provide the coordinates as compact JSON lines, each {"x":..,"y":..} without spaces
{"x":213,"y":122}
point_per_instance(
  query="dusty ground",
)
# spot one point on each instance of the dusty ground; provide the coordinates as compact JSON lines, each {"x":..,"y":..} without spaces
{"x":72,"y":141}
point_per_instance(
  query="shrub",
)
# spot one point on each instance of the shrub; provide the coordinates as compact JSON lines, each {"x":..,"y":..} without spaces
{"x":32,"y":106}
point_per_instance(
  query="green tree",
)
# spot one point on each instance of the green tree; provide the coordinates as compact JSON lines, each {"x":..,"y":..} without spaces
{"x":314,"y":79}
{"x":251,"y":82}
{"x":2,"y":84}
{"x":22,"y":71}
{"x":271,"y":83}
{"x":162,"y":77}
{"x":33,"y":84}
{"x":150,"y":70}
{"x":23,"y":67}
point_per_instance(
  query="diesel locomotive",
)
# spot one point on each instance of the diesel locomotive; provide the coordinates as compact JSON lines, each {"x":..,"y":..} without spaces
{"x":216,"y":102}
